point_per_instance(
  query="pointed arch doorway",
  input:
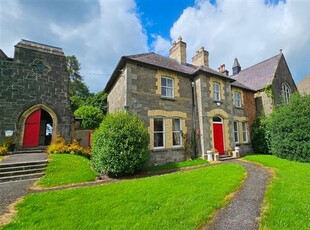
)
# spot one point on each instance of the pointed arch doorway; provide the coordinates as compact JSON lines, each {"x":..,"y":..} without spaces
{"x":39,"y":126}
{"x":218,"y":134}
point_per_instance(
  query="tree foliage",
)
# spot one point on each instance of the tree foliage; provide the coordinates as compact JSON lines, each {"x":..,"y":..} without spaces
{"x":259,"y":138}
{"x":120,"y":145}
{"x":288,"y":129}
{"x":91,"y":116}
{"x":98,"y":100}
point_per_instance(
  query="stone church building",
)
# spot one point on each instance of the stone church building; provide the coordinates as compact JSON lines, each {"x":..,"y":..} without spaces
{"x":34,"y":101}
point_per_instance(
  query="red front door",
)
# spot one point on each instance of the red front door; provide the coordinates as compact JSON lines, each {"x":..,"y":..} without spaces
{"x":218,"y":137}
{"x":32,"y":129}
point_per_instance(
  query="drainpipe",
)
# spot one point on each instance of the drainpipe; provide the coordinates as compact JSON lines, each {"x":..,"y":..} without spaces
{"x":193,"y":119}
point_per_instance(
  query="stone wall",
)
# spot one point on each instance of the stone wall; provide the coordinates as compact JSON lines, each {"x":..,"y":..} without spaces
{"x":36,"y":76}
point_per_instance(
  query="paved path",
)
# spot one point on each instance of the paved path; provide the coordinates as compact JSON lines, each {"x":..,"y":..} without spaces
{"x":244,"y":210}
{"x":12,"y":190}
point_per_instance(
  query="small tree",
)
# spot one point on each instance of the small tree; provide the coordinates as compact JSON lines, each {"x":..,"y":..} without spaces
{"x":288,"y":129}
{"x":91,"y":116}
{"x":120,"y":145}
{"x":259,"y":138}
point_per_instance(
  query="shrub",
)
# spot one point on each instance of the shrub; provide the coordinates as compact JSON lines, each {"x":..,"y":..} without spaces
{"x":288,"y":129}
{"x":92,"y":116}
{"x":120,"y":145}
{"x":59,"y":146}
{"x":259,"y":138}
{"x":3,"y":150}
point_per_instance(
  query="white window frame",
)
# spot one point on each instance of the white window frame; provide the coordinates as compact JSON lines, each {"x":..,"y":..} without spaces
{"x":286,"y":92}
{"x":245,"y":132}
{"x":165,"y":89}
{"x":163,"y":132}
{"x":216,"y":91}
{"x":177,"y":132}
{"x":236,"y":132}
{"x":238,"y":101}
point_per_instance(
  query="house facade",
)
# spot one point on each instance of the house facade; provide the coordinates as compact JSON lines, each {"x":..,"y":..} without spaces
{"x":176,"y":100}
{"x":34,"y":101}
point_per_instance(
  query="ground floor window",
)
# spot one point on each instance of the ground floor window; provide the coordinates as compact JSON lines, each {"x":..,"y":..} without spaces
{"x":176,"y":132}
{"x":236,"y":132}
{"x":159,"y":137}
{"x":245,"y":132}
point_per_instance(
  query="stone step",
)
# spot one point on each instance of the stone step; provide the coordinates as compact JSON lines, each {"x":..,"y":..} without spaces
{"x":21,"y":172}
{"x":25,"y":163}
{"x":27,"y":151}
{"x":21,"y":177}
{"x":23,"y":167}
{"x":225,"y":158}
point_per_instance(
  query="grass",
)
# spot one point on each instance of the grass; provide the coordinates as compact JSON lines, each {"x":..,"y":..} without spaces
{"x":66,"y":169}
{"x":182,"y":200}
{"x":177,"y":165}
{"x":288,"y":196}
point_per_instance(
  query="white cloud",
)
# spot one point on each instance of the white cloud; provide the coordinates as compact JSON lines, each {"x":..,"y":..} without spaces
{"x":249,"y":30}
{"x":160,"y":45}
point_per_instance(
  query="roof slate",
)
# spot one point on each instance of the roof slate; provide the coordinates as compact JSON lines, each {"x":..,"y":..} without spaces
{"x":259,"y":75}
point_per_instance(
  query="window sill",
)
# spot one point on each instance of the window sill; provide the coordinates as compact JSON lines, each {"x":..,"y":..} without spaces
{"x":237,"y":107}
{"x":168,"y":98}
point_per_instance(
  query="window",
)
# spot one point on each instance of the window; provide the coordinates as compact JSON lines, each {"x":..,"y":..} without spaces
{"x":159,"y":132}
{"x":236,"y":132}
{"x":167,"y":89}
{"x":216,"y":91}
{"x":286,"y":92}
{"x":245,"y":132}
{"x":176,"y":132}
{"x":238,"y":99}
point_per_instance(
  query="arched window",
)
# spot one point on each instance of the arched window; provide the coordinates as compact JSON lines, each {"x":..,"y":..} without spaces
{"x":286,"y":92}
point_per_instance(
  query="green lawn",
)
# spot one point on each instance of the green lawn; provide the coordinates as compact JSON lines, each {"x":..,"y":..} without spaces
{"x":177,"y":165}
{"x":182,"y":200}
{"x":288,"y":197}
{"x":67,"y":169}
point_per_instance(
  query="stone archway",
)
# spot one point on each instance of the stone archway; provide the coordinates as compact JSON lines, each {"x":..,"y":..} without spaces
{"x":50,"y":117}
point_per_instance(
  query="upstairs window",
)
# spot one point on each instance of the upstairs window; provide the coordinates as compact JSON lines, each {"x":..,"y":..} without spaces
{"x":216,"y":91}
{"x":245,"y":132}
{"x":176,"y":132}
{"x":236,"y":132}
{"x":238,"y":99}
{"x":159,"y":141}
{"x":286,"y":92}
{"x":167,"y":87}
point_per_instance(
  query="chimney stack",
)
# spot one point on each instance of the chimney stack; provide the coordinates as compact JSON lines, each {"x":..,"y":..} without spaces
{"x":236,"y":67}
{"x":201,"y":58}
{"x":178,"y":51}
{"x":222,"y":70}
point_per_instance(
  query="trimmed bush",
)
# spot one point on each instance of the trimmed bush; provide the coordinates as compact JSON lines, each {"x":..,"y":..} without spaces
{"x":288,"y":129}
{"x":259,"y":138}
{"x":120,"y":145}
{"x":91,"y":116}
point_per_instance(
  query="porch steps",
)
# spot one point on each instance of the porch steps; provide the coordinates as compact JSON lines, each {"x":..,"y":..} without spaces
{"x":22,"y":170}
{"x":35,"y":150}
{"x":226,"y":157}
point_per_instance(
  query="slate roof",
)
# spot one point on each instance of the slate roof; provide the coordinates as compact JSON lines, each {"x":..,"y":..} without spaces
{"x":154,"y":60}
{"x":259,"y":75}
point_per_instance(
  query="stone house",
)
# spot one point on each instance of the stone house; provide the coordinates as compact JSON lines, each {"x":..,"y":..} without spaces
{"x":175,"y":98}
{"x":271,"y":79}
{"x":34,"y":101}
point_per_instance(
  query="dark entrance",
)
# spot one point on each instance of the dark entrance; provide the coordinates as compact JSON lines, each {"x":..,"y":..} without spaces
{"x":38,"y":129}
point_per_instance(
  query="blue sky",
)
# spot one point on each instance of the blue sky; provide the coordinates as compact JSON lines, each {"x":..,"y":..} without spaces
{"x":99,"y":32}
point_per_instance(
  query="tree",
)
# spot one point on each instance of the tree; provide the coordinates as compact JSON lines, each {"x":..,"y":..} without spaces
{"x":120,"y":144}
{"x":98,"y":100}
{"x":288,"y":129}
{"x":259,"y":138}
{"x":91,"y":116}
{"x":78,"y":90}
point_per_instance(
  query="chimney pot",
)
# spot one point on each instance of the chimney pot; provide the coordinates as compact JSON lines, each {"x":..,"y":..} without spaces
{"x":178,"y":51}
